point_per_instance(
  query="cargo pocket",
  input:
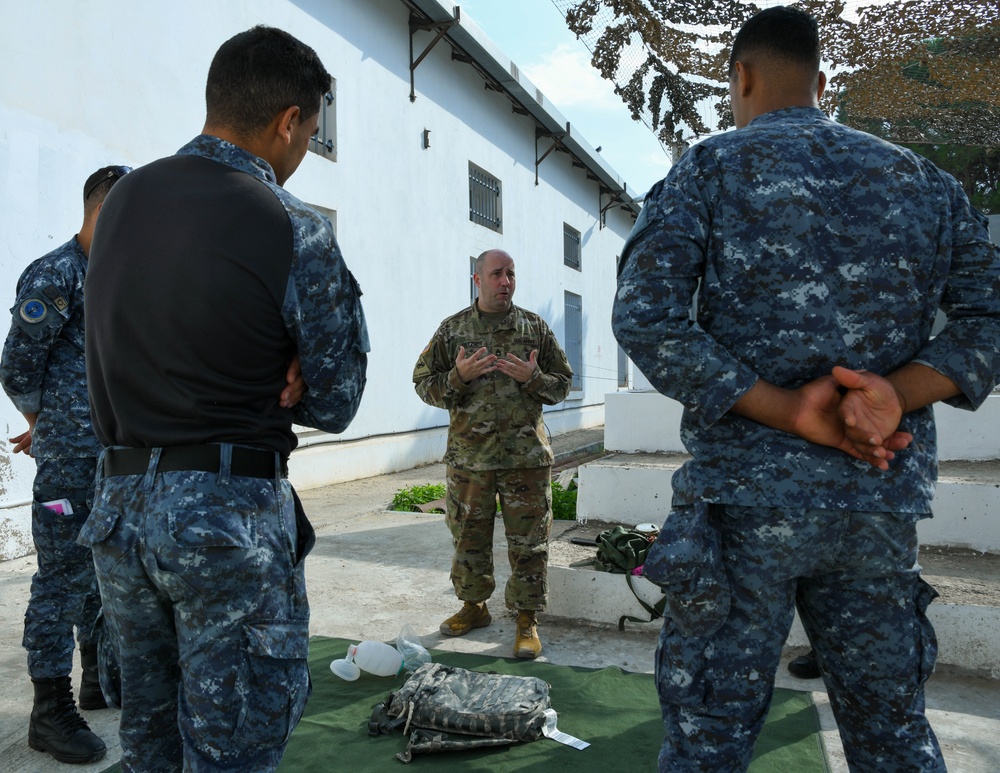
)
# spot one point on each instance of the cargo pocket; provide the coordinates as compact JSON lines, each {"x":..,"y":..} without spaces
{"x":682,"y":669}
{"x":99,"y":525}
{"x":273,"y":683}
{"x":686,"y":561}
{"x":205,"y":511}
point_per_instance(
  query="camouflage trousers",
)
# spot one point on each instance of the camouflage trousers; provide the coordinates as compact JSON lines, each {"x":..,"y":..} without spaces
{"x":526,"y":502}
{"x":64,"y":592}
{"x":862,"y":602}
{"x":204,"y":592}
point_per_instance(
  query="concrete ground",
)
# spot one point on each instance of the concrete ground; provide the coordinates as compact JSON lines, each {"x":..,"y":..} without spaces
{"x":373,"y":571}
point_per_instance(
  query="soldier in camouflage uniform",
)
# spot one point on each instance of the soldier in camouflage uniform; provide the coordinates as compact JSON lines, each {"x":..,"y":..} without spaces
{"x":210,"y":287}
{"x":820,"y":256}
{"x":44,"y":374}
{"x":492,"y":367}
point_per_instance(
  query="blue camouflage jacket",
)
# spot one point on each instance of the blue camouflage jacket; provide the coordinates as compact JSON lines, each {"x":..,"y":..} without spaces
{"x":190,"y":327}
{"x":322,"y":304}
{"x":329,"y":326}
{"x":42,"y":368}
{"x":808,"y":245}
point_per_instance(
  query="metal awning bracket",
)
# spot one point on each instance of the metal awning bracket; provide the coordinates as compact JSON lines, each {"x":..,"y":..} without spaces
{"x":613,"y":198}
{"x":418,"y":24}
{"x":556,"y":137}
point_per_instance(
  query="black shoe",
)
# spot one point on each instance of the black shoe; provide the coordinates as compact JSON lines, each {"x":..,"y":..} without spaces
{"x":91,"y":697}
{"x":804,"y":666}
{"x":56,"y":726}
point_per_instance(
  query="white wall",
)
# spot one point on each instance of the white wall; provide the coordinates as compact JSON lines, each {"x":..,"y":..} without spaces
{"x":123,"y":82}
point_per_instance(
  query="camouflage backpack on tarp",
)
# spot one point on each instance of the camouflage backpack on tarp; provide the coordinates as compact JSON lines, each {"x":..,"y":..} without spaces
{"x":446,"y":708}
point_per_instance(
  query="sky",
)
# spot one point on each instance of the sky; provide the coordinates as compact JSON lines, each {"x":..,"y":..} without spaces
{"x":534,"y":35}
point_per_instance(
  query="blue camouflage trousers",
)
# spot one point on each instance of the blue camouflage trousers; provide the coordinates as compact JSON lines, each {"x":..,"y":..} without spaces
{"x":856,"y":582}
{"x":526,"y":501}
{"x":204,"y":592}
{"x":64,"y":592}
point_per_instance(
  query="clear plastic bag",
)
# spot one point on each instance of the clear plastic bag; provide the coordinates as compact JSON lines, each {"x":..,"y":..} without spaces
{"x":409,"y":646}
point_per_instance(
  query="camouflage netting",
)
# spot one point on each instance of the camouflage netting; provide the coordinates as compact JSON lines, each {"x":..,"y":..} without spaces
{"x":916,"y":71}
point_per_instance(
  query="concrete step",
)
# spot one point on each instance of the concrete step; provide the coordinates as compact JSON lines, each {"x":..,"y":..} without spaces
{"x":966,"y":616}
{"x":635,"y":488}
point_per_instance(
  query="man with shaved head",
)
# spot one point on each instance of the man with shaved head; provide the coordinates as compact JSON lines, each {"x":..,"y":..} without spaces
{"x":820,"y":256}
{"x":492,"y":366}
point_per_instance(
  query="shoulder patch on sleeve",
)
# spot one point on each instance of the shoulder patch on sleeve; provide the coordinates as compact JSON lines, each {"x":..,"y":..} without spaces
{"x":32,"y":311}
{"x":53,"y":294}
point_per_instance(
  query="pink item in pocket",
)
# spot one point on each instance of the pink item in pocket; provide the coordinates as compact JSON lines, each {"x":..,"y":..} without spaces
{"x":61,"y":506}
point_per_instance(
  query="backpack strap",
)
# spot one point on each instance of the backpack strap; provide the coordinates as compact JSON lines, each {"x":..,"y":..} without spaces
{"x":427,"y":741}
{"x":380,"y":722}
{"x":655,"y":611}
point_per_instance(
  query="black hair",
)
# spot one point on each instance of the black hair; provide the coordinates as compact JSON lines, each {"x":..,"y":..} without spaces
{"x":99,"y":184}
{"x":259,"y":73}
{"x":780,"y":32}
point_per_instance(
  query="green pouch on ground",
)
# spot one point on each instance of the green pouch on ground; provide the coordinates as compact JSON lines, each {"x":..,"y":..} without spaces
{"x":446,"y":708}
{"x":620,"y":550}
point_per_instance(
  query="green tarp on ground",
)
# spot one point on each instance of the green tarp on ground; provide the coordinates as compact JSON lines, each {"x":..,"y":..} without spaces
{"x":615,"y":711}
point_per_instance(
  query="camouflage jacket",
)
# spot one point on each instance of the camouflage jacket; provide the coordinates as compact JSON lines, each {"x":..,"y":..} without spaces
{"x":810,"y":245}
{"x":495,"y":422}
{"x":322,"y":304}
{"x":242,"y":301}
{"x":42,"y":368}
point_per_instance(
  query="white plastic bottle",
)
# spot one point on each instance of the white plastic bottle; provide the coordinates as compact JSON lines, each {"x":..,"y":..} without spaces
{"x":374,"y":657}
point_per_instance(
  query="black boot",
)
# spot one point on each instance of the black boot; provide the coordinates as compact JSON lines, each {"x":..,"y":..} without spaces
{"x":805,"y":666}
{"x":57,"y":728}
{"x":91,"y":697}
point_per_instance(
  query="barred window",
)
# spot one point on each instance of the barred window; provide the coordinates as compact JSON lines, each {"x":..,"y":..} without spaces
{"x":324,"y":141}
{"x":485,"y":199}
{"x":571,"y":247}
{"x":574,"y":338}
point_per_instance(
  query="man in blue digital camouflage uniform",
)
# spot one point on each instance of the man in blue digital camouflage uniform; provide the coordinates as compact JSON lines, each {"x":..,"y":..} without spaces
{"x":820,"y":256}
{"x":43,"y":372}
{"x":208,"y":284}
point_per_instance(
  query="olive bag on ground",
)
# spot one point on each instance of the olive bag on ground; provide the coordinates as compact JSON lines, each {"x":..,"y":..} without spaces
{"x":624,"y":550}
{"x":620,"y":550}
{"x":446,"y":708}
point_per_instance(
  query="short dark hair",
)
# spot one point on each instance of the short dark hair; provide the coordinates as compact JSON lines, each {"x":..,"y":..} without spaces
{"x":780,"y":32}
{"x":99,"y":184}
{"x":259,"y":73}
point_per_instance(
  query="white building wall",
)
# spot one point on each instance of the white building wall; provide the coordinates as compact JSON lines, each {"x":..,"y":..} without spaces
{"x":123,"y":82}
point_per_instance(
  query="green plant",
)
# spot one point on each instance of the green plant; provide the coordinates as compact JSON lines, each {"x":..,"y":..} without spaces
{"x":563,"y":502}
{"x":407,"y":499}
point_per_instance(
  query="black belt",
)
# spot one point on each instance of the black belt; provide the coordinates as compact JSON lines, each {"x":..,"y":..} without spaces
{"x":246,"y":462}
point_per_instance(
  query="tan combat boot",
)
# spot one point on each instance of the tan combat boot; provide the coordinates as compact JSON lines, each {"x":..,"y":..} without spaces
{"x":472,"y":615}
{"x":526,"y":643}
